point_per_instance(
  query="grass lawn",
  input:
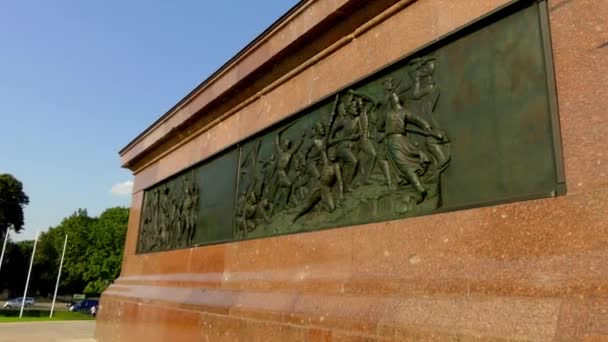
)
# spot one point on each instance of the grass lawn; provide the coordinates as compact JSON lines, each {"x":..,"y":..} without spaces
{"x":42,"y":315}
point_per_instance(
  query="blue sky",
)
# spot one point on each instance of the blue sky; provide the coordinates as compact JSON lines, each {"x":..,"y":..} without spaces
{"x":80,"y":79}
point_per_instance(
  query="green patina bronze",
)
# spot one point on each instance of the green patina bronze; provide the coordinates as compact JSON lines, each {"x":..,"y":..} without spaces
{"x":465,"y":122}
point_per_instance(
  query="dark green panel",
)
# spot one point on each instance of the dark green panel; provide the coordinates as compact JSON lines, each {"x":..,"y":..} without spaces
{"x":495,"y":103}
{"x":464,"y":122}
{"x":217,"y":184}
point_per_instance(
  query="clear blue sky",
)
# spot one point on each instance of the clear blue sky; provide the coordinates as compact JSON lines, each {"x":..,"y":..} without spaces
{"x":80,"y":79}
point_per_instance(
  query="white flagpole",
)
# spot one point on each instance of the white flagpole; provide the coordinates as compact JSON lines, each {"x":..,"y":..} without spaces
{"x":27,"y":281}
{"x":3,"y":248}
{"x":65,"y":242}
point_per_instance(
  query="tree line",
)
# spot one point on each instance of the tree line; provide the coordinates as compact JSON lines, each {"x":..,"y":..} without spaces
{"x":92,"y":258}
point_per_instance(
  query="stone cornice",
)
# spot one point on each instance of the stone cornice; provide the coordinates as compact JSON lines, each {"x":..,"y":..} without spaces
{"x":307,"y":29}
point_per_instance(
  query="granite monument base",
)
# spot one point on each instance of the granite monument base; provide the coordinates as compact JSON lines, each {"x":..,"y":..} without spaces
{"x":529,"y":270}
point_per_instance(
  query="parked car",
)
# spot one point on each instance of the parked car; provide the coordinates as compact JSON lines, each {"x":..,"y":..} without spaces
{"x":84,"y":305}
{"x":16,"y":302}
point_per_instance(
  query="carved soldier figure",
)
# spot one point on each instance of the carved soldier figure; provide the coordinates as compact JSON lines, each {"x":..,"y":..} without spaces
{"x":330,"y":175}
{"x":348,"y":130}
{"x":366,"y":144}
{"x":190,"y":209}
{"x":150,"y":210}
{"x":249,"y":211}
{"x":241,"y":227}
{"x":262,"y":174}
{"x":300,"y":177}
{"x":366,"y":107}
{"x":285,"y":152}
{"x":176,"y":232}
{"x":155,"y":204}
{"x":316,"y":149}
{"x":421,"y":71}
{"x":164,"y":215}
{"x":408,"y":159}
{"x":155,"y":223}
{"x":148,"y":224}
{"x":426,"y":90}
{"x":261,"y":171}
{"x":264,"y":209}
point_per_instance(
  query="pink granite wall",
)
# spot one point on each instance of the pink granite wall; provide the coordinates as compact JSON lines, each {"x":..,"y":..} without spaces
{"x":535,"y":270}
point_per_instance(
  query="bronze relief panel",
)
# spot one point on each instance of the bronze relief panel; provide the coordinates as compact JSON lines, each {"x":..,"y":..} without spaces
{"x":466,"y":121}
{"x":372,"y":152}
{"x":169,"y":214}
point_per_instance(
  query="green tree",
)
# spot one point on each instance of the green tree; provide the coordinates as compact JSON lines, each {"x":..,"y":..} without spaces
{"x":12,"y":201}
{"x":46,"y":264}
{"x":92,"y":260}
{"x":78,"y":228}
{"x":16,"y":264}
{"x":104,"y":256}
{"x":14,"y":267}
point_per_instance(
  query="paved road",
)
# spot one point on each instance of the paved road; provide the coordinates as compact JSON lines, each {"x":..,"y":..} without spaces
{"x":66,"y":331}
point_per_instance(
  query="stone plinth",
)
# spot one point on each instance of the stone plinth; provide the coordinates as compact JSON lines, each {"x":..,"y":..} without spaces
{"x":530,"y":270}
